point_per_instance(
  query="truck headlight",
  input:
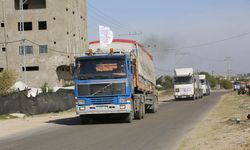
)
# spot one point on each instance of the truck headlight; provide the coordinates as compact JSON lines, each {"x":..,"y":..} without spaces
{"x":177,"y":90}
{"x":81,"y":102}
{"x":82,"y":108}
{"x":125,"y":100}
{"x":122,"y":106}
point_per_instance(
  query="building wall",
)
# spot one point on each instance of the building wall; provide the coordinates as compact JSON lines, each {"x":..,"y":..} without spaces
{"x":66,"y":37}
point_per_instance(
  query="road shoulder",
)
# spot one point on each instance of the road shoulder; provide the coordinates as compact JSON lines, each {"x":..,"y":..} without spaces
{"x":18,"y":125}
{"x":225,"y":128}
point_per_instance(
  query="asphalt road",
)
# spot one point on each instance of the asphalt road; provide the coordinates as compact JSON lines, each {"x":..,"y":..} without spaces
{"x":161,"y":131}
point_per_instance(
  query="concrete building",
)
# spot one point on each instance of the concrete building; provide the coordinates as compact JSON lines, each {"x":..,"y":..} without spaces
{"x":55,"y":31}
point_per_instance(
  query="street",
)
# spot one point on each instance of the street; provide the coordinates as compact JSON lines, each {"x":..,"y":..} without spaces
{"x":160,"y":131}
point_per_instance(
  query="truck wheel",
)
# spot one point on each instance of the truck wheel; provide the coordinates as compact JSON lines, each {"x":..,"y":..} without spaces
{"x":129,"y":118}
{"x":155,"y":105}
{"x":143,"y":110}
{"x":139,"y":113}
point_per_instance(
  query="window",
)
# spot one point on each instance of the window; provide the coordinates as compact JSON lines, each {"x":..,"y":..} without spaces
{"x":28,"y":50}
{"x":2,"y":25}
{"x":43,"y":49}
{"x":3,"y":49}
{"x":31,"y":4}
{"x":1,"y":69}
{"x":31,"y":68}
{"x":42,"y":25}
{"x":27,"y":26}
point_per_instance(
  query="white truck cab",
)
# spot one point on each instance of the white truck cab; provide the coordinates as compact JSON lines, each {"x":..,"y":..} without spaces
{"x":204,"y":84}
{"x":186,"y":84}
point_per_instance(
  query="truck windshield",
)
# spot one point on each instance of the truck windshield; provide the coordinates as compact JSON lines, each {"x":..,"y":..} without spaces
{"x":183,"y":80}
{"x":100,"y":68}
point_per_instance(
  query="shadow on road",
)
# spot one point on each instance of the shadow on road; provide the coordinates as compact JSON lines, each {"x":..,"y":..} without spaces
{"x":179,"y":100}
{"x":66,"y":121}
{"x":75,"y":121}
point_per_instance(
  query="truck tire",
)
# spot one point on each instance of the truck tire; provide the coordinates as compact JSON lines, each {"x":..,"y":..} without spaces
{"x":193,"y":98}
{"x":143,"y":110}
{"x":129,"y":118}
{"x":155,"y":105}
{"x":139,"y":113}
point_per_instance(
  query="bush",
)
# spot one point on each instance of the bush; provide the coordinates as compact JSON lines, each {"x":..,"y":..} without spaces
{"x":7,"y":80}
{"x":226,"y":84}
{"x":45,"y":88}
{"x":166,"y":82}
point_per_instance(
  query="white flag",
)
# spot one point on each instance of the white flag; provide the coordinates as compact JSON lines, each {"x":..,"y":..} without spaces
{"x":106,"y":36}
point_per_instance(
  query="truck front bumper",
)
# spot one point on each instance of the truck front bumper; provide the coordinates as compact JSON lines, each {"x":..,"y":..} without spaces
{"x":103,"y":109}
{"x":183,"y":96}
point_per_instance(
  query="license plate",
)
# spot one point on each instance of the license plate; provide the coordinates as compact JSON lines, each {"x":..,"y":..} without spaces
{"x":101,"y":107}
{"x":183,"y":97}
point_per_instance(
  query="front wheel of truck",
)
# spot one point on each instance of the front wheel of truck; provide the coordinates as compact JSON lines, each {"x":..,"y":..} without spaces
{"x":129,"y":118}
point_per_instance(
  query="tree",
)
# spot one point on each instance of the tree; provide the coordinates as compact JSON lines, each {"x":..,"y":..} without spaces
{"x":7,"y":80}
{"x":165,"y":81}
{"x":226,"y":84}
{"x":211,"y":79}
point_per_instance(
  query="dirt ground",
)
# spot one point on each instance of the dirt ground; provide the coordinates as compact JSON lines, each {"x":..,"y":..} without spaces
{"x":225,"y":128}
{"x":12,"y":126}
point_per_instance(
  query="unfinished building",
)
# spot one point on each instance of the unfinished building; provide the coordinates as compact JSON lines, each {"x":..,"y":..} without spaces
{"x":42,"y":48}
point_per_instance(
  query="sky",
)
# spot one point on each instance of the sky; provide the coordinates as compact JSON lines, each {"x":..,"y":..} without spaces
{"x":207,"y":35}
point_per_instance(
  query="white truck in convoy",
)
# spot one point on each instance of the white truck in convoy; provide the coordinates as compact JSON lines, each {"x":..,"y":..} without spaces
{"x":204,"y":84}
{"x":186,"y":84}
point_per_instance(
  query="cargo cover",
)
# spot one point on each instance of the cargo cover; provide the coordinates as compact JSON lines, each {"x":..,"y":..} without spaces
{"x":144,"y":59}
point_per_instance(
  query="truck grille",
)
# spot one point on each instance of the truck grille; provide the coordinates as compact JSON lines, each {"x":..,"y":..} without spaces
{"x":105,"y":89}
{"x":105,"y":100}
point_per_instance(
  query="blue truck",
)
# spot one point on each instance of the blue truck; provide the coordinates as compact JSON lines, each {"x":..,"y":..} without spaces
{"x":118,"y":81}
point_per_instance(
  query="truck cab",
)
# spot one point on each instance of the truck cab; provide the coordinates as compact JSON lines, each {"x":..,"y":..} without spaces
{"x":204,"y":84}
{"x":103,"y":84}
{"x":116,"y":81}
{"x":186,"y":84}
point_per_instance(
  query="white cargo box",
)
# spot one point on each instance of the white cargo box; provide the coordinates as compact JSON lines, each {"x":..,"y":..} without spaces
{"x":184,"y":72}
{"x":202,"y":77}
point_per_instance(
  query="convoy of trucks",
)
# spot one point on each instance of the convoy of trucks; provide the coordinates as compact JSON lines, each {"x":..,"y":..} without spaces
{"x":118,"y":80}
{"x":186,"y":84}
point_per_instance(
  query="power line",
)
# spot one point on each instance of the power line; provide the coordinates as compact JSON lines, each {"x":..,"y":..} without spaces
{"x":106,"y":22}
{"x":106,"y":19}
{"x":110,"y":19}
{"x":54,"y":50}
{"x":163,"y":70}
{"x":212,"y":42}
{"x":8,"y":42}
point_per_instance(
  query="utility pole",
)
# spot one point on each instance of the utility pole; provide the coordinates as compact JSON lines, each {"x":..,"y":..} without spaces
{"x":23,"y":50}
{"x":228,"y":60}
{"x":5,"y":41}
